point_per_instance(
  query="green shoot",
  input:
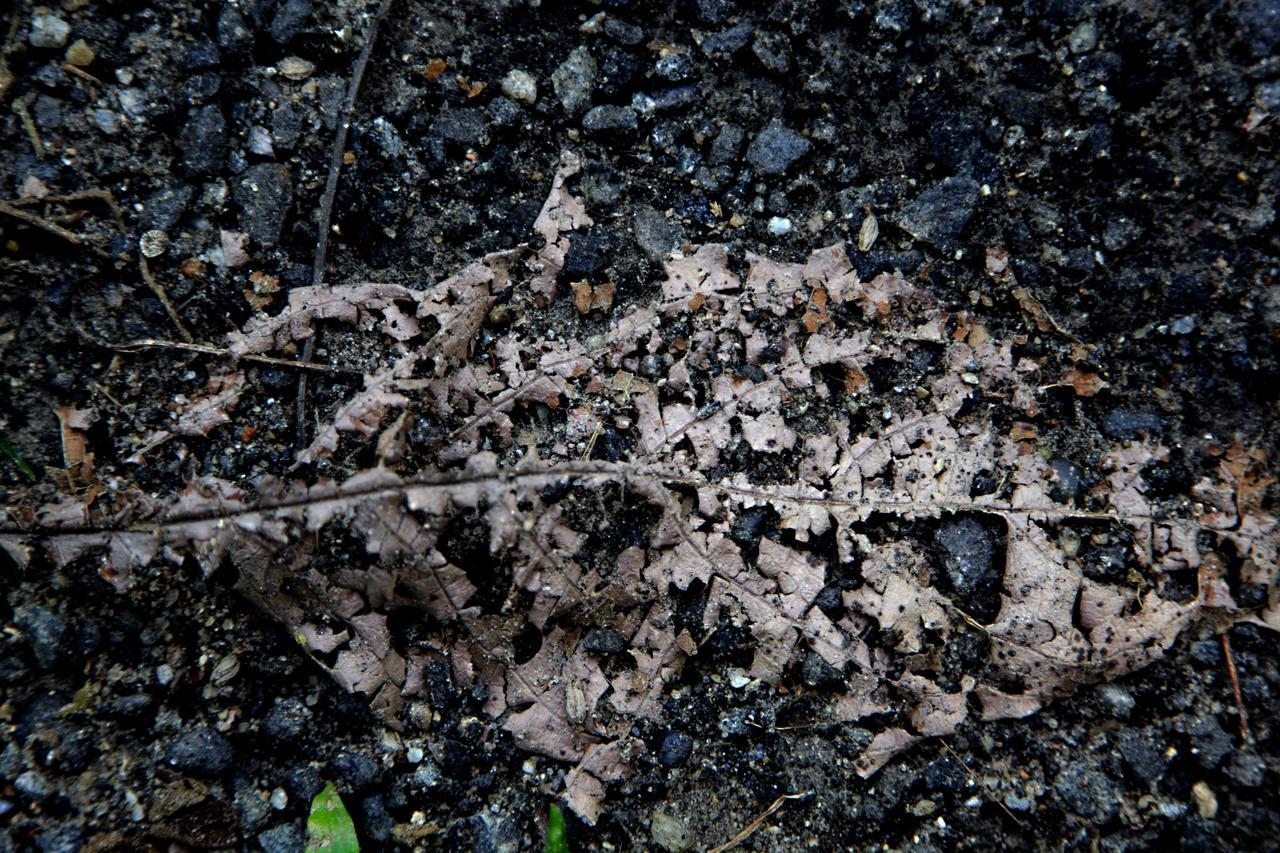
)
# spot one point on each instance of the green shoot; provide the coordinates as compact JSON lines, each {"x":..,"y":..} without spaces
{"x":329,"y":827}
{"x":8,"y":450}
{"x":556,"y":840}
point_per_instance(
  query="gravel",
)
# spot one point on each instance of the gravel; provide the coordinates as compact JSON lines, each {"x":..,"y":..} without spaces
{"x":519,"y":85}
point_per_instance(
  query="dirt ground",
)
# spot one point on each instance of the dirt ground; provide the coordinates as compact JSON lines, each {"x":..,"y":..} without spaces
{"x":1122,"y":154}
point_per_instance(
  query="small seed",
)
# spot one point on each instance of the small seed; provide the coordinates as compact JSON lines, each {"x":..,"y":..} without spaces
{"x":153,"y":243}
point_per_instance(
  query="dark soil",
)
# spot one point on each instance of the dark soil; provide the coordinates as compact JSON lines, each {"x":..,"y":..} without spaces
{"x":1123,"y":155}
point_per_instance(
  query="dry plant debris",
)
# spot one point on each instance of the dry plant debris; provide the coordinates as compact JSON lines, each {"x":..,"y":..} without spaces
{"x":713,"y":447}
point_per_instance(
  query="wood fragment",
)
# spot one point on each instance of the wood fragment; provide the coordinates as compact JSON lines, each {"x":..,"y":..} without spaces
{"x":219,"y":352}
{"x":1235,"y":688}
{"x":1040,"y":315}
{"x":13,"y":210}
{"x":20,"y":107}
{"x":163,"y":295}
{"x":326,"y":200}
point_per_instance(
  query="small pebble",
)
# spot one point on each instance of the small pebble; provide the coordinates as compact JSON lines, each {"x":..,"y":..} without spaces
{"x":260,"y":141}
{"x":107,"y":121}
{"x":80,"y":54}
{"x":279,"y":799}
{"x":779,"y":225}
{"x":1083,"y":38}
{"x":48,"y":31}
{"x":519,"y":85}
{"x":1206,"y":801}
{"x":414,"y":754}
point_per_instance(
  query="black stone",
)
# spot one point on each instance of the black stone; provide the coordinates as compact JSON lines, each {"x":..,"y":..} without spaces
{"x":968,"y":556}
{"x":609,"y":119}
{"x":940,"y":214}
{"x":358,"y":771}
{"x":291,"y":16}
{"x":264,"y":192}
{"x":588,"y":253}
{"x":202,"y":752}
{"x":1066,"y":482}
{"x":203,"y":141}
{"x":676,"y":748}
{"x":1130,"y":423}
{"x":45,"y":631}
{"x":819,"y":674}
{"x":605,"y":641}
{"x":286,"y":838}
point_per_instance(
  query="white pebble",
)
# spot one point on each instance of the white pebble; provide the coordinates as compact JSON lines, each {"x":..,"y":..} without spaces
{"x":519,"y":85}
{"x":414,"y":754}
{"x":779,"y":225}
{"x":279,"y":799}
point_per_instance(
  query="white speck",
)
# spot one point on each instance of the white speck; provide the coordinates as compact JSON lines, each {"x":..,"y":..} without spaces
{"x":779,"y":225}
{"x":414,"y":754}
{"x":969,"y":378}
{"x":279,"y":799}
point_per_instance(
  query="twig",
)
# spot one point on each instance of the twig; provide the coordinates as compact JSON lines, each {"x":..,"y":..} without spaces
{"x":1235,"y":687}
{"x":326,"y":200}
{"x":154,"y":343}
{"x":81,"y":73}
{"x":10,"y":209}
{"x":973,"y":779}
{"x":20,"y":107}
{"x":163,"y":295}
{"x":750,"y":828}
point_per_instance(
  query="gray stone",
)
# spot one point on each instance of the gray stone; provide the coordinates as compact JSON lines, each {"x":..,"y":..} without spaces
{"x":291,"y":16}
{"x":670,"y":833}
{"x":575,"y":80}
{"x":288,"y":720}
{"x":1143,"y":754}
{"x":727,"y":42}
{"x":675,"y":67}
{"x":45,"y":631}
{"x":1247,"y":769}
{"x":1210,"y":744}
{"x":1118,"y":701}
{"x":264,"y":192}
{"x":202,"y":752}
{"x":773,"y":50}
{"x":33,"y":786}
{"x":1130,"y":423}
{"x":727,"y":145}
{"x":609,"y":118}
{"x":286,"y":838}
{"x":776,"y":149}
{"x":106,"y":121}
{"x":623,"y":32}
{"x":233,"y":33}
{"x":357,"y":770}
{"x":164,"y":207}
{"x":656,"y":235}
{"x":819,"y":674}
{"x":203,"y":141}
{"x":940,"y":214}
{"x":1083,"y":38}
{"x":48,"y":31}
{"x":1086,"y":791}
{"x":465,"y":126}
{"x":1066,"y":480}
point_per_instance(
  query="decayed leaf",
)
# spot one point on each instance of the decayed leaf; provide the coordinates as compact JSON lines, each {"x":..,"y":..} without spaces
{"x":750,"y":476}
